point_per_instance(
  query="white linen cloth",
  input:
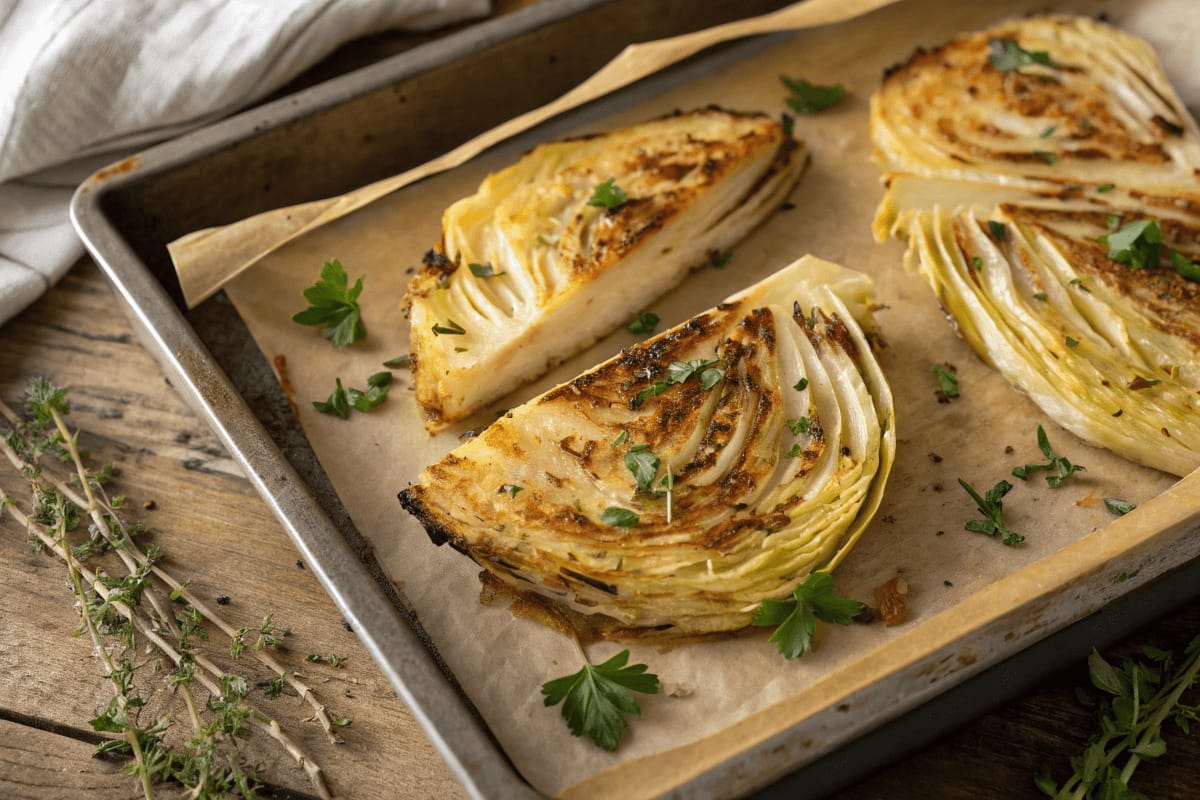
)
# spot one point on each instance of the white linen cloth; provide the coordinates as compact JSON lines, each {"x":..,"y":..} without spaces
{"x":85,"y":82}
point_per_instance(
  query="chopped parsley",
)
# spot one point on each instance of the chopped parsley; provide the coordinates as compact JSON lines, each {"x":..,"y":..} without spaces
{"x":946,"y":379}
{"x":1112,"y":221}
{"x":794,"y":452}
{"x":1118,"y":507}
{"x":343,"y":400}
{"x":484,"y":270}
{"x":619,"y":517}
{"x":1039,"y":296}
{"x":644,"y":324}
{"x":1184,"y":265}
{"x":799,"y":426}
{"x":719,"y":259}
{"x":977,"y":263}
{"x":644,"y":466}
{"x":1056,"y":464}
{"x":992,"y":508}
{"x":801,"y":385}
{"x":509,"y":489}
{"x":1007,"y":55}
{"x":808,"y":98}
{"x":398,"y":362}
{"x":1072,"y":342}
{"x":997,"y":230}
{"x":795,"y":619}
{"x":1048,"y":132}
{"x":680,"y":371}
{"x":620,"y":438}
{"x":1136,"y":245}
{"x":333,"y":305}
{"x":608,"y":195}
{"x":1047,"y":156}
{"x":600,"y":696}
{"x":787,"y":122}
{"x":1105,"y":187}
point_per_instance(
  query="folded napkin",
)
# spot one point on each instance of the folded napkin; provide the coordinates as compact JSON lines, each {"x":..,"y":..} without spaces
{"x":85,"y":82}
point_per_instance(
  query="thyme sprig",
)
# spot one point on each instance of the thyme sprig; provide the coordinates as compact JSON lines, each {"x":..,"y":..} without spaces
{"x":135,"y":606}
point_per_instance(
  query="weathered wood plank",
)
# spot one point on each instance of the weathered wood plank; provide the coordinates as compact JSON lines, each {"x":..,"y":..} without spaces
{"x":215,"y":531}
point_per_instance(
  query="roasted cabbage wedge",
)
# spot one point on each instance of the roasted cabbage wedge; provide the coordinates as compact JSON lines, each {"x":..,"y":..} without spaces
{"x":530,"y":271}
{"x":1010,"y":174}
{"x":681,"y":483}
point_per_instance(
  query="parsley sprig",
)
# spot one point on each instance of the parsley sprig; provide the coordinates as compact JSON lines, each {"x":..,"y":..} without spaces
{"x":1136,"y":244}
{"x":333,"y":305}
{"x":680,"y":371}
{"x":796,"y":618}
{"x":1007,"y":55}
{"x":946,"y":379}
{"x":343,"y":400}
{"x":808,"y":98}
{"x":1060,"y":467}
{"x":597,"y":699}
{"x":991,"y":506}
{"x":1136,"y":699}
{"x":608,"y":195}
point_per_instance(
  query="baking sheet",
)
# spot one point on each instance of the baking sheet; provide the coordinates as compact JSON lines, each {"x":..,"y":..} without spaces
{"x":501,"y":661}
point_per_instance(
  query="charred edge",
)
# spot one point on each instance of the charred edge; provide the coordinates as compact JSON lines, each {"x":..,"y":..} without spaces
{"x":593,"y":582}
{"x":437,"y":261}
{"x":438,"y":534}
{"x":1166,"y":126}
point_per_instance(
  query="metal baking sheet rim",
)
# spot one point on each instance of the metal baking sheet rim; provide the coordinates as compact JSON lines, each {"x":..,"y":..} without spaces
{"x":820,"y":725}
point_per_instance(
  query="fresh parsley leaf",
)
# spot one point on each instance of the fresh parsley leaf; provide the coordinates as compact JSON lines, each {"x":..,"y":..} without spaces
{"x":997,"y":230}
{"x":645,"y":323}
{"x":711,"y":377}
{"x":333,"y":305}
{"x":619,"y":517}
{"x":451,"y":328}
{"x":608,"y":195}
{"x":1106,"y":187}
{"x":992,"y":507}
{"x":597,"y":699}
{"x":801,"y":385}
{"x":1058,"y":465}
{"x":1113,"y":221}
{"x":653,"y":390}
{"x":680,"y":371}
{"x":1072,"y":342}
{"x":807,"y":98}
{"x":1136,"y":244}
{"x":643,"y":464}
{"x":794,"y":452}
{"x":620,"y":438}
{"x":1006,"y":55}
{"x":399,"y":362}
{"x":795,"y":619}
{"x":509,"y":489}
{"x":1184,"y":265}
{"x":946,"y":379}
{"x":798,"y":426}
{"x":337,"y":403}
{"x":484,"y":270}
{"x":1117,"y":507}
{"x":977,"y":263}
{"x":787,"y":122}
{"x":342,"y":399}
{"x":1039,"y":296}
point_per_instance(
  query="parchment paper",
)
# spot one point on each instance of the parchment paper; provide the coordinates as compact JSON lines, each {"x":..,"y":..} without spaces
{"x":500,"y":660}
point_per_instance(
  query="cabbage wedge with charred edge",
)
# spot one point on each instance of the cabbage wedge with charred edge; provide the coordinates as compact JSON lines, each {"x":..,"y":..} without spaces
{"x":529,"y":272}
{"x":1003,"y":177}
{"x":759,"y":455}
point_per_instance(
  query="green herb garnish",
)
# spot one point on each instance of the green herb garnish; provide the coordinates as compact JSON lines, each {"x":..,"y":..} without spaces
{"x":795,"y":619}
{"x":1058,"y":465}
{"x":799,"y":426}
{"x":599,"y":697}
{"x":484,"y":270}
{"x":801,"y":385}
{"x":1047,"y":156}
{"x":1118,"y":507}
{"x":787,"y":122}
{"x":992,"y":507}
{"x":680,"y":371}
{"x":399,"y":362}
{"x":1072,"y":342}
{"x":1048,"y":132}
{"x":807,"y":98}
{"x":1136,"y":244}
{"x":977,"y":263}
{"x":509,"y":489}
{"x":619,"y":517}
{"x":1184,"y":265}
{"x":1039,"y":296}
{"x":342,"y":400}
{"x":608,"y":195}
{"x":620,"y":438}
{"x":1105,"y":187}
{"x":1006,"y":55}
{"x":644,"y":324}
{"x":451,"y":328}
{"x":333,"y":305}
{"x":644,"y":466}
{"x":997,"y":230}
{"x":946,"y":379}
{"x":794,"y":452}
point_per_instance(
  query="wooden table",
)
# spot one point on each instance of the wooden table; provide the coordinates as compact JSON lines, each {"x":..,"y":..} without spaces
{"x":219,"y":534}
